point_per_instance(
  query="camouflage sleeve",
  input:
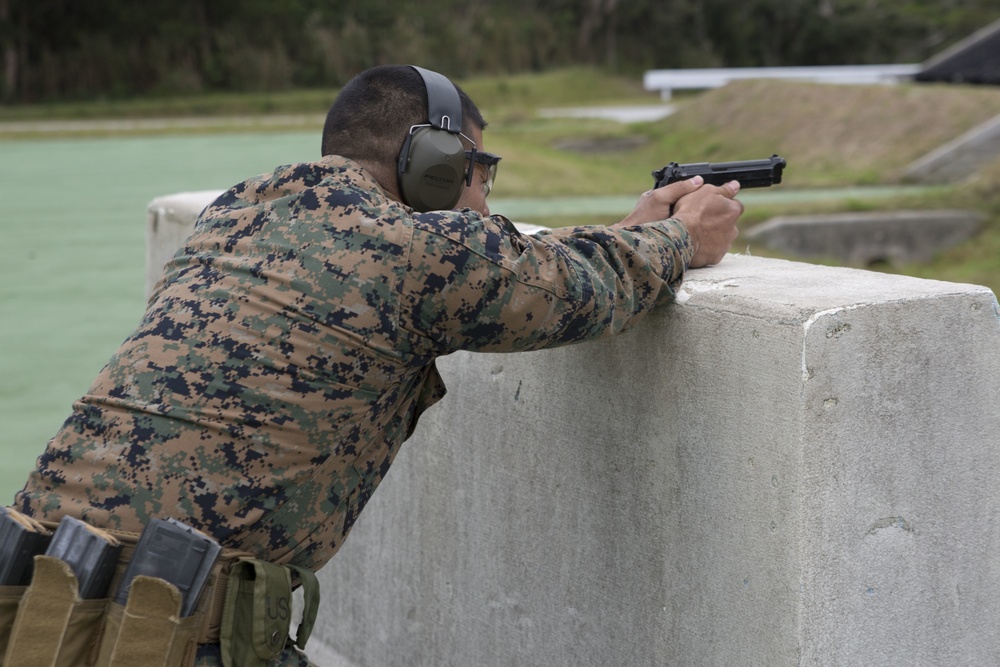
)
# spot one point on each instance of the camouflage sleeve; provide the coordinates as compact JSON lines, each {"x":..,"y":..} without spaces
{"x":476,"y":283}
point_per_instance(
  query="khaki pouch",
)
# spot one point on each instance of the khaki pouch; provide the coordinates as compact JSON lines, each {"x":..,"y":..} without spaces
{"x":53,"y":626}
{"x":10,"y":596}
{"x":148,"y":631}
{"x":257,"y":616}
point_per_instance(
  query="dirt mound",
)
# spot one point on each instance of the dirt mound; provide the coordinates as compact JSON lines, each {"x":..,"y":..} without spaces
{"x":827,"y":130}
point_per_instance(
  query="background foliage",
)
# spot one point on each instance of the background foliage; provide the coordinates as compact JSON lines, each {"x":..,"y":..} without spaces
{"x":57,"y":50}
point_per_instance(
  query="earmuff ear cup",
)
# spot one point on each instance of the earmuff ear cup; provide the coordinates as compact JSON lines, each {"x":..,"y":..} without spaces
{"x":432,"y":169}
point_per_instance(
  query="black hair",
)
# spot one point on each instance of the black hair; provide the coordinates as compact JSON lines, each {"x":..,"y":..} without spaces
{"x":374,"y":112}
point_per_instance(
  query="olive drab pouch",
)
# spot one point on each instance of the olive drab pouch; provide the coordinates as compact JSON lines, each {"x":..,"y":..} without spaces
{"x":149,"y":629}
{"x":310,"y":590}
{"x":54,"y":627}
{"x":257,"y":616}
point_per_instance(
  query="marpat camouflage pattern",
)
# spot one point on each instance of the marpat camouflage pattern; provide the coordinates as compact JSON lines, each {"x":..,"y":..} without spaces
{"x":289,"y":349}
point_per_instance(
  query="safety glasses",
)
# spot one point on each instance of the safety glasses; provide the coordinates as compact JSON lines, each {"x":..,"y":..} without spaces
{"x":488,"y":160}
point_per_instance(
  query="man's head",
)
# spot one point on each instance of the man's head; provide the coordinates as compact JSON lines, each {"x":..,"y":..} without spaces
{"x":371,"y":118}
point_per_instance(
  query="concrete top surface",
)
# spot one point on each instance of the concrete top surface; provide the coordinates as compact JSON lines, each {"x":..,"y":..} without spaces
{"x":799,"y":291}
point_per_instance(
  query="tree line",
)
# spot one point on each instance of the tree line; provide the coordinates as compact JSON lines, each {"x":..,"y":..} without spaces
{"x":54,"y":50}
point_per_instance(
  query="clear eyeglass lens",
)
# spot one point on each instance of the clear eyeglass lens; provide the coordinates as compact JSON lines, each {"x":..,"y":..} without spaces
{"x":491,"y":174}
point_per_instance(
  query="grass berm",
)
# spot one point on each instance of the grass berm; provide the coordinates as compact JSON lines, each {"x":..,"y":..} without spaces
{"x":832,"y":135}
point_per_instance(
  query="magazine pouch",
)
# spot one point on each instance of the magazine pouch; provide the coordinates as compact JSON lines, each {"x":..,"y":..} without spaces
{"x":10,"y":596}
{"x":149,"y":630}
{"x":53,"y":627}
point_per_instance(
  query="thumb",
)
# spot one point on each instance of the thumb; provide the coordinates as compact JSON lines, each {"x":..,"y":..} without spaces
{"x":678,"y":189}
{"x":732,"y":188}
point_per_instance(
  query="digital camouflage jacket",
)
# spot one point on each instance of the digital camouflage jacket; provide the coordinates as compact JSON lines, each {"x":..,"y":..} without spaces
{"x":289,"y":349}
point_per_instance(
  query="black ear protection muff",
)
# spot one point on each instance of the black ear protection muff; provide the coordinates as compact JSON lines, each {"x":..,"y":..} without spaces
{"x":432,"y":162}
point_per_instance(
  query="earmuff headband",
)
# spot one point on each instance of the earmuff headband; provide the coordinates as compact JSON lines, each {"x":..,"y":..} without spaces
{"x":444,"y":108}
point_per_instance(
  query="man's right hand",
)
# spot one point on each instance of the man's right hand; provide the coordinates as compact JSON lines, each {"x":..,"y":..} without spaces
{"x":710,"y":213}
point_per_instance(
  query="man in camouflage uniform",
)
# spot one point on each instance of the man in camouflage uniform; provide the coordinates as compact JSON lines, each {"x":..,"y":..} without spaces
{"x":289,"y":347}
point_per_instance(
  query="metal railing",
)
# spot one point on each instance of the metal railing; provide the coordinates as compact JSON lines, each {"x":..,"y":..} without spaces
{"x":668,"y":80}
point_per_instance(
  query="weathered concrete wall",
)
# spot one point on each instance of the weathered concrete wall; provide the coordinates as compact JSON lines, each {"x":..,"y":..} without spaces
{"x":792,"y":465}
{"x":863,"y":238}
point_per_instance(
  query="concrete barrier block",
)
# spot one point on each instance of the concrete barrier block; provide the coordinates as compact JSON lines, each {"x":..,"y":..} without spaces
{"x":793,"y":465}
{"x":864,"y":238}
